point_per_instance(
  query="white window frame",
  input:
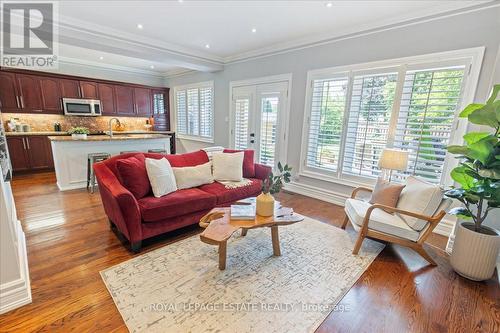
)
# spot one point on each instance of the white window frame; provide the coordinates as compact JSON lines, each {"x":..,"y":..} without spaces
{"x":198,"y":85}
{"x":472,"y":59}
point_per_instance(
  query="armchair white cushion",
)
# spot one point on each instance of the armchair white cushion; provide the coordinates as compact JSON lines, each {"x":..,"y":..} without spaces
{"x":379,"y":220}
{"x":419,"y":197}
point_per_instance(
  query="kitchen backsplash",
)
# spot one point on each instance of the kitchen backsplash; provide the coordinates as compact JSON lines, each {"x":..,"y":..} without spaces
{"x":42,"y":123}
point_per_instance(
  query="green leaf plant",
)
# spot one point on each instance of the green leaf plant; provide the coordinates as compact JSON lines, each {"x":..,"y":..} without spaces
{"x":479,"y":170}
{"x":274,"y":183}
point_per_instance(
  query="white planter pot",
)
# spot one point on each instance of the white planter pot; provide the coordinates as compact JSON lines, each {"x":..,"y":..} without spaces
{"x":79,"y":136}
{"x":475,"y":254}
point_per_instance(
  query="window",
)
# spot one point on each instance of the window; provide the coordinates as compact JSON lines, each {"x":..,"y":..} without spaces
{"x":242,"y":106}
{"x":327,"y":113}
{"x":353,"y":112}
{"x":195,"y":111}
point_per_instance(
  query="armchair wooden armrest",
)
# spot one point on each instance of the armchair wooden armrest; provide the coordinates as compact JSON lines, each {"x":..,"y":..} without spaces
{"x":360,"y":189}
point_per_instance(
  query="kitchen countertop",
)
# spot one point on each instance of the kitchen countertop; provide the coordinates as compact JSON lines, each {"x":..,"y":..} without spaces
{"x":66,"y":133}
{"x":116,"y":137}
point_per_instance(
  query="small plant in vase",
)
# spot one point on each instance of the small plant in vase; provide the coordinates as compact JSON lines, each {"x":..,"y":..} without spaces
{"x":79,"y":133}
{"x":272,"y":185}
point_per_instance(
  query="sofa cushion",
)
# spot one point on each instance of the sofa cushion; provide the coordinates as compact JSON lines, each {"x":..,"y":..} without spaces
{"x":419,"y":197}
{"x":225,"y":196}
{"x":228,"y":167}
{"x":188,"y":159}
{"x":248,"y":163}
{"x":379,"y":220}
{"x":161,"y":176}
{"x":188,"y":177}
{"x":133,"y":175}
{"x":176,"y":203}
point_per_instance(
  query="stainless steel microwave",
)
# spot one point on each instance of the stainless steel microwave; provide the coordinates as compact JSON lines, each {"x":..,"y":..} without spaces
{"x":81,"y":107}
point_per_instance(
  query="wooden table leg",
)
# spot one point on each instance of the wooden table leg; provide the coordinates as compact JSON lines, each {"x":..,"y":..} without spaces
{"x":244,"y":232}
{"x":222,"y":255}
{"x":276,"y":241}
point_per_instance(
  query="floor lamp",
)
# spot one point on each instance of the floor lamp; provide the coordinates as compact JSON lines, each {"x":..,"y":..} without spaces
{"x":393,"y":159}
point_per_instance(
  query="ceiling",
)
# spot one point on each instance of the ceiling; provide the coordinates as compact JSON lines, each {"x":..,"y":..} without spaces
{"x":175,"y":35}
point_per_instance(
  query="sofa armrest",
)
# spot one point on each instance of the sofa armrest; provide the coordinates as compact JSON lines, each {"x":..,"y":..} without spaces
{"x":119,"y":204}
{"x":262,"y":171}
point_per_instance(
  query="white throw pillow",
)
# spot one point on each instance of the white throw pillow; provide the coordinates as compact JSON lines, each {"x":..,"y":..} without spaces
{"x":188,"y":177}
{"x":161,"y":176}
{"x":420,"y":197}
{"x":228,"y":167}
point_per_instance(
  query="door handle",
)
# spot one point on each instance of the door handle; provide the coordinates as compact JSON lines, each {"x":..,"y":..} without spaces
{"x":22,"y":101}
{"x":17,"y":102}
{"x":24,"y":144}
{"x":252,"y":141}
{"x":252,"y":135}
{"x":28,"y":143}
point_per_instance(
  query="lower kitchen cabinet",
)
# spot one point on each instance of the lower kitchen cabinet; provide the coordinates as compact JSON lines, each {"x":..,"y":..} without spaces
{"x":30,"y":153}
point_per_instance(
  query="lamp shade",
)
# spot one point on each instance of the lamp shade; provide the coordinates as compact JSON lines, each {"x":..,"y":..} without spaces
{"x":393,"y":159}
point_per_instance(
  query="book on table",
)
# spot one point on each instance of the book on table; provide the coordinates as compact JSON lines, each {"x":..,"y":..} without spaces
{"x":243,"y":212}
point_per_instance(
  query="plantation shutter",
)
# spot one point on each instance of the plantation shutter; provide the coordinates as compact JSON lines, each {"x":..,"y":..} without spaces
{"x":242,"y":106}
{"x":325,"y":122}
{"x":206,"y":112}
{"x":268,"y":123}
{"x":428,"y":106}
{"x":195,"y":114}
{"x":368,"y":123}
{"x":181,"y":103}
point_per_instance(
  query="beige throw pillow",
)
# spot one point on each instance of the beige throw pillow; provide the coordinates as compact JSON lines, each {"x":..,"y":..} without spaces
{"x":386,"y":193}
{"x":228,"y":167}
{"x":188,"y":177}
{"x":161,"y":176}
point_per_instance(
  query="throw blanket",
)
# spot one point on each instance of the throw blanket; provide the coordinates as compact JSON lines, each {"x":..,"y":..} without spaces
{"x":230,"y":184}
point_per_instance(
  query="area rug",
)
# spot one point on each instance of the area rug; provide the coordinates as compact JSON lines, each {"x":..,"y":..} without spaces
{"x":179,"y":288}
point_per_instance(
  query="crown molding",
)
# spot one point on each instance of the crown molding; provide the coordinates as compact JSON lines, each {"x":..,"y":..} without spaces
{"x":323,"y":39}
{"x":177,"y":72}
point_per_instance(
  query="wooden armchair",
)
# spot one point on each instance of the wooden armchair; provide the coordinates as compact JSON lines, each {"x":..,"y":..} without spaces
{"x":375,"y":221}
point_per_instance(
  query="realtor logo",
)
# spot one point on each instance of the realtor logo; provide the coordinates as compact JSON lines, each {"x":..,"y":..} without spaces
{"x":28,"y":34}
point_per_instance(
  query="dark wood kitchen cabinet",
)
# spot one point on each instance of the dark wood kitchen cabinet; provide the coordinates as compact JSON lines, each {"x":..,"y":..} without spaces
{"x":142,"y":100}
{"x":124,"y":96}
{"x":88,"y":89}
{"x":107,"y":97}
{"x":29,"y":92}
{"x":30,"y":153}
{"x":8,"y":91}
{"x":51,"y":95}
{"x":69,"y":88}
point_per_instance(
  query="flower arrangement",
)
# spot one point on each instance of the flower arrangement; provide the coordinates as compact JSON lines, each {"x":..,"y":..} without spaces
{"x":78,"y":130}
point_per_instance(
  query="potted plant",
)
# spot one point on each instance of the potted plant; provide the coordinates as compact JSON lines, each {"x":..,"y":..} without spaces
{"x":79,"y":133}
{"x":272,"y":185}
{"x":475,"y":249}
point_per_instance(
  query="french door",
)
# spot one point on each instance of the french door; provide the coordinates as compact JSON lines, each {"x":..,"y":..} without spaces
{"x":259,"y":114}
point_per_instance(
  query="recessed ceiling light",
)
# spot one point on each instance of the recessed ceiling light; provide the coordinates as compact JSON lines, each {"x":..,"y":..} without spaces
{"x":329,"y":4}
{"x":101,"y":58}
{"x":181,"y":1}
{"x":152,"y":67}
{"x":139,"y":26}
{"x":207,"y":46}
{"x":254,"y":30}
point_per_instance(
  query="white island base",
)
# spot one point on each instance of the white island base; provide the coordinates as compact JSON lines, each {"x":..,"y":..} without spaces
{"x":70,"y":156}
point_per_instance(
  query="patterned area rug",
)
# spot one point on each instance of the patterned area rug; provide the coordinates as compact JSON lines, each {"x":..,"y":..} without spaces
{"x":178,"y":288}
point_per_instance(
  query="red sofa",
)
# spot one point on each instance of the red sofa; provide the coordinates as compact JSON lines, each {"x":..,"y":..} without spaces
{"x":138,"y":218}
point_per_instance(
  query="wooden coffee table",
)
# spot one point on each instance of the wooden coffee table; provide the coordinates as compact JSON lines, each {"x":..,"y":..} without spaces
{"x":220,"y":228}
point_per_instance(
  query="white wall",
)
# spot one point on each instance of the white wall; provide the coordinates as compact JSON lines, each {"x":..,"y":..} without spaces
{"x":467,"y":30}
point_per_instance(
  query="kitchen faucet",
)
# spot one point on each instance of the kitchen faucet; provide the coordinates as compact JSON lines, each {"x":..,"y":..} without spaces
{"x":111,"y":126}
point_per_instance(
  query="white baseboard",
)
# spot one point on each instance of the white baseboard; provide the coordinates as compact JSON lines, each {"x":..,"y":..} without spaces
{"x":445,"y":227}
{"x":17,"y":293}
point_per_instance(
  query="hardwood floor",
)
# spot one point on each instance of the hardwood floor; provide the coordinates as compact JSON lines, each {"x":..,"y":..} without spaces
{"x":69,"y":242}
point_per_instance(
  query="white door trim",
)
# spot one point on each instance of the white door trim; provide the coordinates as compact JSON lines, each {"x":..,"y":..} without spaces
{"x":286,"y":116}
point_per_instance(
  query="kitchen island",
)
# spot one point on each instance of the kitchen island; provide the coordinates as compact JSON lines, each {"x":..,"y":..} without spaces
{"x":70,"y":156}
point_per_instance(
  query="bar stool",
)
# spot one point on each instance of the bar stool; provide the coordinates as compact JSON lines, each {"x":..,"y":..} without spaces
{"x":91,"y":159}
{"x":158,"y":151}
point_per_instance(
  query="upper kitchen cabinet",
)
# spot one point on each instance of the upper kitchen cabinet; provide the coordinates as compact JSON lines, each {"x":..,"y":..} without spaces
{"x":30,"y":96}
{"x":124,"y":96}
{"x":69,"y":88}
{"x":51,"y":95}
{"x":88,"y":89}
{"x":142,"y":100}
{"x":8,"y":91}
{"x":107,"y":97}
